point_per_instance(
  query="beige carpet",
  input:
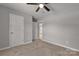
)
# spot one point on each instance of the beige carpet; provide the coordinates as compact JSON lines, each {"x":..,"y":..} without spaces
{"x":38,"y":48}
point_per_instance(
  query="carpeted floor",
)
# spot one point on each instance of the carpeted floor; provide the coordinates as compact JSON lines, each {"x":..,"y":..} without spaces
{"x":38,"y":48}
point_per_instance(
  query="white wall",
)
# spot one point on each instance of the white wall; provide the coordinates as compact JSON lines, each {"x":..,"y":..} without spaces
{"x":35,"y":30}
{"x":63,"y":27}
{"x":4,"y":26}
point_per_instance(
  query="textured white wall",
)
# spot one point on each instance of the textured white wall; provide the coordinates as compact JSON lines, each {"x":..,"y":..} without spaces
{"x":63,"y":28}
{"x":35,"y":30}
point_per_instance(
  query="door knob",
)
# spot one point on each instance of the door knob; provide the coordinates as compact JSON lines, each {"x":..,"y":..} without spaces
{"x":11,"y":32}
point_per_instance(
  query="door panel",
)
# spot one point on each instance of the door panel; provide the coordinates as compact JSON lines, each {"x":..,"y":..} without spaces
{"x":16,"y":30}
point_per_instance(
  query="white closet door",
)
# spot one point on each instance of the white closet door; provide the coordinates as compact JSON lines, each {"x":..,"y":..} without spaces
{"x":16,"y":30}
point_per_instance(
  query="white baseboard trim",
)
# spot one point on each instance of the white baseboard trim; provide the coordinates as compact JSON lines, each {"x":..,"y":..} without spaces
{"x":60,"y":45}
{"x":27,"y":42}
{"x":15,"y":46}
{"x":5,"y":48}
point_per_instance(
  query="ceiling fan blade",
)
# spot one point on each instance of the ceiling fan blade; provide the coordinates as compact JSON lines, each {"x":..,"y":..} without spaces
{"x":37,"y":9}
{"x":47,"y":8}
{"x":46,"y":3}
{"x":32,"y":3}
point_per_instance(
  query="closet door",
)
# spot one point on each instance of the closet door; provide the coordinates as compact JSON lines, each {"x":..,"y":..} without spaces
{"x":16,"y":30}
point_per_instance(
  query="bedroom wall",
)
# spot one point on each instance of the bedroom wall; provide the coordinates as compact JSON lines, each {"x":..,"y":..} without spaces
{"x":35,"y":30}
{"x":63,"y":27}
{"x":4,"y":26}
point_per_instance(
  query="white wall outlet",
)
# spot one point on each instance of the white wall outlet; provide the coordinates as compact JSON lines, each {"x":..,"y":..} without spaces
{"x":66,"y":42}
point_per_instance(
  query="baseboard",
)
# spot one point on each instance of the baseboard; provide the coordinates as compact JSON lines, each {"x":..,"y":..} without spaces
{"x":15,"y":46}
{"x":27,"y":42}
{"x":73,"y":49}
{"x":24,"y":43}
{"x":5,"y":48}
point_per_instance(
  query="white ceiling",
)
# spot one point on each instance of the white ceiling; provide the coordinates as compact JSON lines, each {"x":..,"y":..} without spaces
{"x":56,"y":8}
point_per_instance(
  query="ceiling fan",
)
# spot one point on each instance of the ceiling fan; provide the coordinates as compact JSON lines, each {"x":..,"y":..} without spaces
{"x":40,"y":5}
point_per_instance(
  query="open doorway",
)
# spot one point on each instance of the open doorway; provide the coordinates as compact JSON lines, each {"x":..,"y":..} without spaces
{"x":35,"y":29}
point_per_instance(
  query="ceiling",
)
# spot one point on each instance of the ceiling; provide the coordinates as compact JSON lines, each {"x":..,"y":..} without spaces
{"x":56,"y":8}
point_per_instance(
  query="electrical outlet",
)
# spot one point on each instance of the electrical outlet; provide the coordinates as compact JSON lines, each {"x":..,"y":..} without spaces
{"x":66,"y":42}
{"x":66,"y":49}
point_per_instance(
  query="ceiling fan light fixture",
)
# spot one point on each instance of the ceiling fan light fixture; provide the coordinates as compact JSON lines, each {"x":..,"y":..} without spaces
{"x":41,"y":5}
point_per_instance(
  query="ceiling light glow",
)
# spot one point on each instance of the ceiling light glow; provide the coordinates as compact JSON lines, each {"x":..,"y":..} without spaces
{"x":41,"y":5}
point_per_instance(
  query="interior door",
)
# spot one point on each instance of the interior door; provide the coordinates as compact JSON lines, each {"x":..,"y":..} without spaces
{"x":16,"y":30}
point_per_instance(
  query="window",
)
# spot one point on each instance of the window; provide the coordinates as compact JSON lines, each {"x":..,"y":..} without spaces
{"x":40,"y":30}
